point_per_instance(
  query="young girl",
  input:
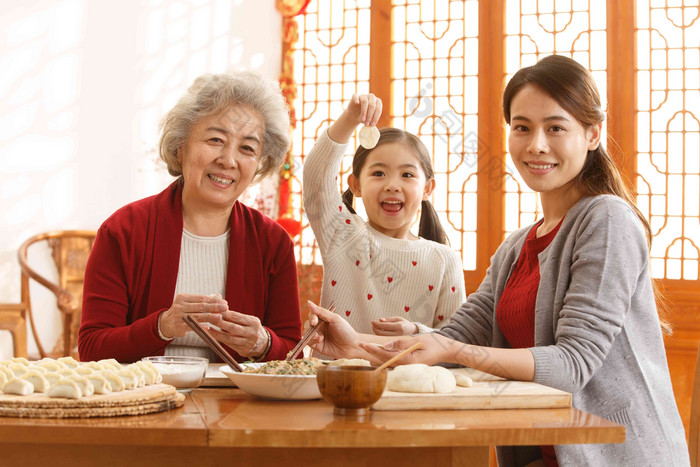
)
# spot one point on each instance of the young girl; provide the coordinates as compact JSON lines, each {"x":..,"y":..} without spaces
{"x":567,"y":302}
{"x":382,"y":278}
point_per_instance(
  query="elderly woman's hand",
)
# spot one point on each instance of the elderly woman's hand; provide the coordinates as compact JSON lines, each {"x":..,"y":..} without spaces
{"x":243,"y":333}
{"x":171,"y":324}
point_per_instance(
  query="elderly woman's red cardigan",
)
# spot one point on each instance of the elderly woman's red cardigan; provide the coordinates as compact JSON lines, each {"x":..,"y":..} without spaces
{"x":132,"y":270}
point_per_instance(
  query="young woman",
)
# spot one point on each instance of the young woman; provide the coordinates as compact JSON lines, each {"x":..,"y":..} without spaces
{"x":382,"y":278}
{"x":567,"y":302}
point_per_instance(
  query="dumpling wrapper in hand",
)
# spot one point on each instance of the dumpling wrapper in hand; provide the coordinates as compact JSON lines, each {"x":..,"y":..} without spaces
{"x":369,"y":137}
{"x":419,"y":377}
{"x":18,"y":386}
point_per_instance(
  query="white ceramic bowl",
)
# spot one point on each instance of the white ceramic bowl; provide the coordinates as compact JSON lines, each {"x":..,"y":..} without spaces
{"x":283,"y":387}
{"x":185,"y":373}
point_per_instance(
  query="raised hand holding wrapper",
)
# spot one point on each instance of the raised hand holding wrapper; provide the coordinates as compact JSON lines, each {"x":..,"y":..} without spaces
{"x":368,"y":136}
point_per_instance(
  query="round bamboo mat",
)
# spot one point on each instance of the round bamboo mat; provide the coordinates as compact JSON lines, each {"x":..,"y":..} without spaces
{"x":145,"y":400}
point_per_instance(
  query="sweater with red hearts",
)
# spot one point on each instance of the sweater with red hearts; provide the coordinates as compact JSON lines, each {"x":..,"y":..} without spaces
{"x":366,"y":273}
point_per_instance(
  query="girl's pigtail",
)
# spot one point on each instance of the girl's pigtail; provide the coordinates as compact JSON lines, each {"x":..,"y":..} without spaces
{"x":429,"y":226}
{"x":348,"y":199}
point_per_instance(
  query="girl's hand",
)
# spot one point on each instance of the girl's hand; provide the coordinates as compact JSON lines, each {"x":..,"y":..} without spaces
{"x":394,"y":326}
{"x":337,"y":338}
{"x":200,"y":307}
{"x":366,"y":109}
{"x":435,"y":349}
{"x":243,"y":333}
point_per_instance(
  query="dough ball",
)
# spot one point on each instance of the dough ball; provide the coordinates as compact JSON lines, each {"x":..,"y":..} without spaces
{"x":369,"y":136}
{"x":463,"y":380}
{"x":419,"y":377}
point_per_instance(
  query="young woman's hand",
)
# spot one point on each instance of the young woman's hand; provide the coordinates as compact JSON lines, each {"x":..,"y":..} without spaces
{"x":434,"y":349}
{"x":337,"y":338}
{"x":394,"y":326}
{"x":364,"y":109}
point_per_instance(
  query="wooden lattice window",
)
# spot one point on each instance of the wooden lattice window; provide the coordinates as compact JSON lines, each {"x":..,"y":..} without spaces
{"x":668,"y":129}
{"x":441,"y":66}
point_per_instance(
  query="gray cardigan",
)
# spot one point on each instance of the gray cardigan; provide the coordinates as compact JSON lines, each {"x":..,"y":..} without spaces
{"x":597,"y":333}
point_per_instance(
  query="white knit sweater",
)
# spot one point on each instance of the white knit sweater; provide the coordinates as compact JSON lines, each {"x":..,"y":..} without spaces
{"x":202,"y":271}
{"x":370,"y":275}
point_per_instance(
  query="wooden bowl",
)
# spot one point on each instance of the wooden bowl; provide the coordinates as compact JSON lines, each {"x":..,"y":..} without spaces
{"x":351,"y":389}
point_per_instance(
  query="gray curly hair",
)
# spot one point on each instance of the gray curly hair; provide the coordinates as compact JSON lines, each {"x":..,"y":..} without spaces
{"x":212,"y":93}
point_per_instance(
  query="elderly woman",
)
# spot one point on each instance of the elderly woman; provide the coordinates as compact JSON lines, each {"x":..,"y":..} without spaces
{"x":194,"y":248}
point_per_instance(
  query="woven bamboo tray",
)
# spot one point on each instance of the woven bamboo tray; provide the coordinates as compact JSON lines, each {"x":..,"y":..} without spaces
{"x":145,"y":400}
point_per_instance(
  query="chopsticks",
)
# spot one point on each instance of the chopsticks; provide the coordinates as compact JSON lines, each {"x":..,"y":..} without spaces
{"x":309,"y":334}
{"x":212,"y":343}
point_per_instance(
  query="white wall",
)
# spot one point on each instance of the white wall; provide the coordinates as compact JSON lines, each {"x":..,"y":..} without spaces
{"x":83,"y":85}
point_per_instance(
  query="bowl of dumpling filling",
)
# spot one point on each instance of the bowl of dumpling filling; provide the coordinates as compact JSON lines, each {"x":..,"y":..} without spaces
{"x":280,"y":379}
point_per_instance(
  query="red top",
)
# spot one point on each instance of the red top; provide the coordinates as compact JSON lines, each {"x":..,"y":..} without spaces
{"x":515,"y":312}
{"x":132,"y":271}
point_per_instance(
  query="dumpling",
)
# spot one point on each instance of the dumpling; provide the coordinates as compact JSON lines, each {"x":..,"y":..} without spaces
{"x":20,"y":360}
{"x":40,"y":369}
{"x":114,"y":380}
{"x":50,"y":364}
{"x":9,"y":374}
{"x":139,"y":374}
{"x":37,"y":379}
{"x":3,"y":379}
{"x":66,"y":388}
{"x":70,"y":362}
{"x":147,"y":364}
{"x":100,"y":383}
{"x":149,"y":376}
{"x":95,"y":366}
{"x":52,"y":377}
{"x":66,"y":372}
{"x":84,"y":371}
{"x":18,"y":386}
{"x":18,"y":369}
{"x":110,"y":364}
{"x":131,"y":380}
{"x":419,"y":377}
{"x":86,"y":386}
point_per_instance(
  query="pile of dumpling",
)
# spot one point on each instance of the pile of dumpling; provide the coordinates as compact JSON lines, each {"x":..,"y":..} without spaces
{"x":66,"y":377}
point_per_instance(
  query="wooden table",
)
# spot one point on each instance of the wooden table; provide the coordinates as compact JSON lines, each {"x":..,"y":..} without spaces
{"x":225,"y":426}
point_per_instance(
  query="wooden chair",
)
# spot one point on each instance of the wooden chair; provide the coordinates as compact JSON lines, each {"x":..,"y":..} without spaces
{"x":70,"y":250}
{"x":694,"y":431}
{"x":13,"y":318}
